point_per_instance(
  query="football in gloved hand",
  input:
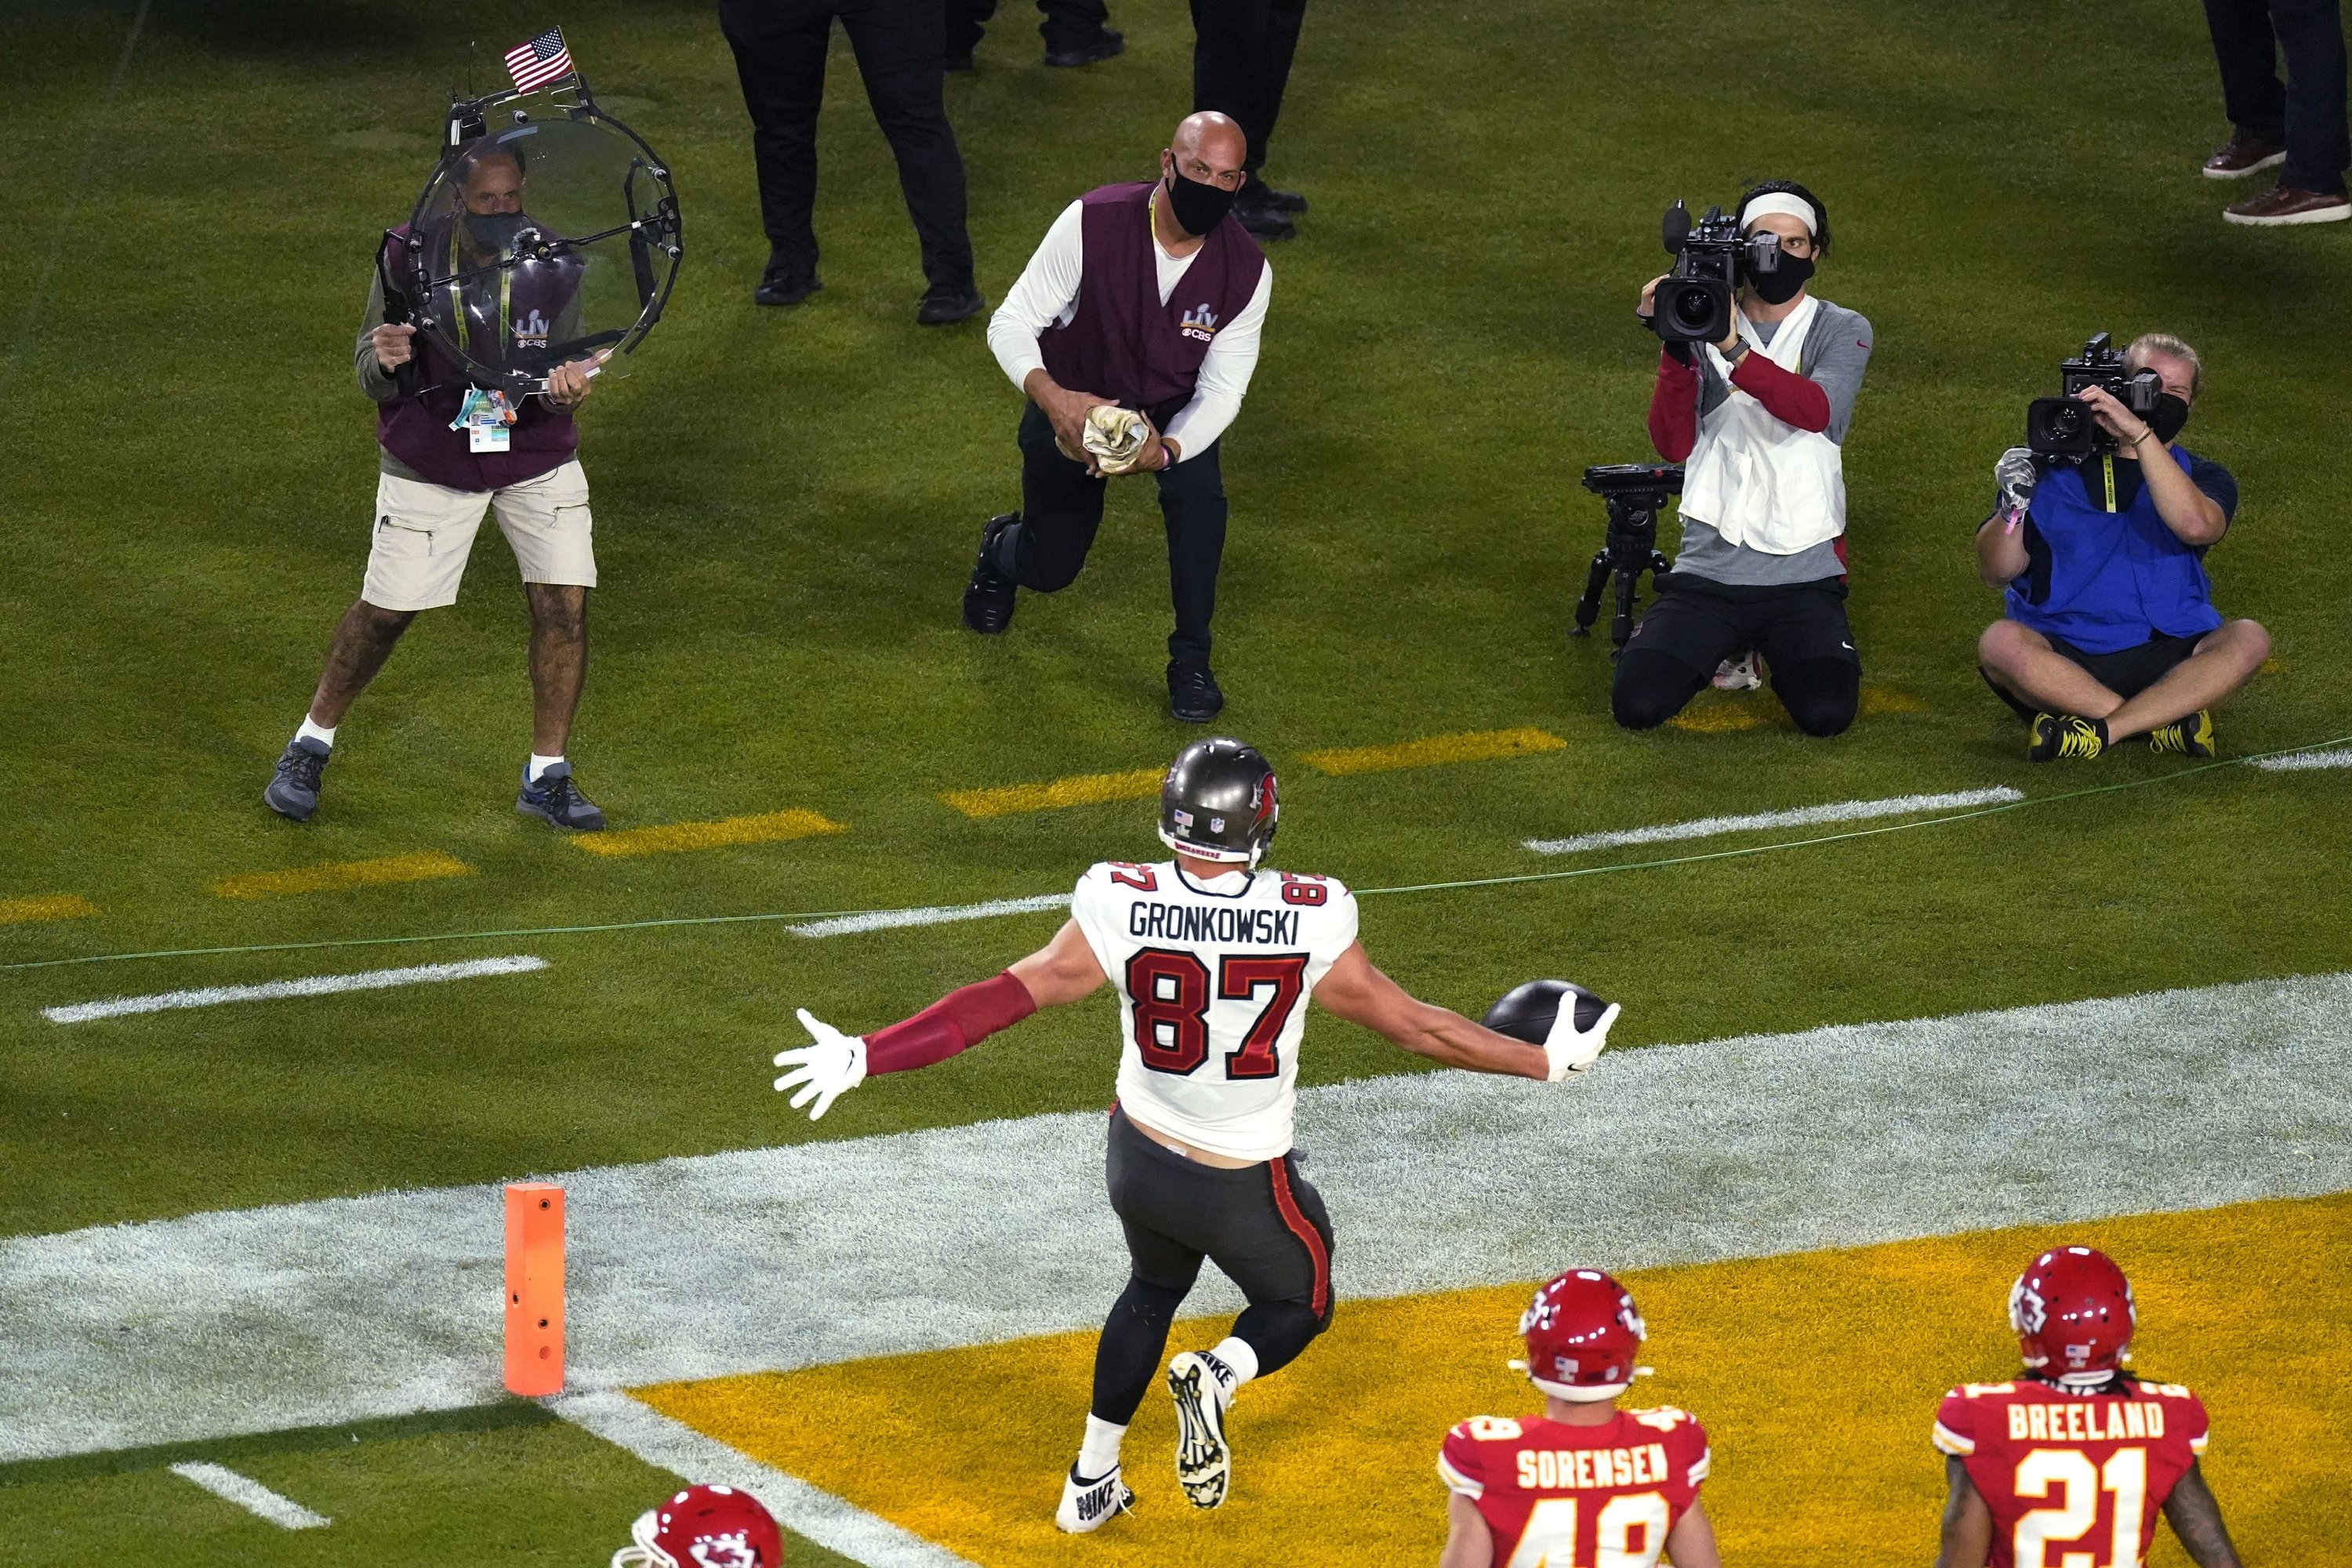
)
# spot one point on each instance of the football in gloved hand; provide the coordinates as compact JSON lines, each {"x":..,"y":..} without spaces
{"x":1114,"y":438}
{"x":1527,"y":1011}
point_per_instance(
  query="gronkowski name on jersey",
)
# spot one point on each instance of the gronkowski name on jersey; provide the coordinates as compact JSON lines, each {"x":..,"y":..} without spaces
{"x":1557,"y":1496}
{"x":1212,"y":982}
{"x":2072,"y":1478}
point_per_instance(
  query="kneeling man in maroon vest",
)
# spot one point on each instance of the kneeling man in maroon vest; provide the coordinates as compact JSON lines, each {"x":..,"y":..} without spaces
{"x":1151,"y":296}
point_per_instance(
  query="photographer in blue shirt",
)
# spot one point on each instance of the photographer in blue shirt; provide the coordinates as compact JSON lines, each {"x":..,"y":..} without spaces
{"x":2111,"y":630}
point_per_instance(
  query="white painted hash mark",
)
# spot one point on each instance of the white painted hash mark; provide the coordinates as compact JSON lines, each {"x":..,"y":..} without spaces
{"x":250,"y":1495}
{"x":1798,"y":816}
{"x":2296,"y":762}
{"x":313,"y":985}
{"x":833,"y":1523}
{"x":936,"y":915}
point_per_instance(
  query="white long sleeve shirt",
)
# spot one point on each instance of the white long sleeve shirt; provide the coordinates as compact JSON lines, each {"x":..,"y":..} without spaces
{"x":1047,"y":295}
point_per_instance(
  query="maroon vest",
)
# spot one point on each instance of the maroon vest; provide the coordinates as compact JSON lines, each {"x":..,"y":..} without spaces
{"x":416,"y":429}
{"x":1122,"y":343}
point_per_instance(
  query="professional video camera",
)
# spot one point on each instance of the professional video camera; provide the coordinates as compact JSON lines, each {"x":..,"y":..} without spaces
{"x":2063,"y":427}
{"x":1635,"y":494}
{"x":1712,"y":258}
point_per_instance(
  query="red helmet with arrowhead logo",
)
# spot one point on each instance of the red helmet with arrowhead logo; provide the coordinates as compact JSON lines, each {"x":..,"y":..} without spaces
{"x":704,"y":1527}
{"x":1582,"y":1332}
{"x":2073,"y":1315}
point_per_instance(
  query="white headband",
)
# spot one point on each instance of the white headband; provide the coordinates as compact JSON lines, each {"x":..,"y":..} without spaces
{"x":1780,"y":201}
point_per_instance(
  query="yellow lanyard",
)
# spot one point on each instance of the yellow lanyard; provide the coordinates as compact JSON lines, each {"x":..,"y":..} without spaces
{"x":506,"y":307}
{"x":2107,"y":464}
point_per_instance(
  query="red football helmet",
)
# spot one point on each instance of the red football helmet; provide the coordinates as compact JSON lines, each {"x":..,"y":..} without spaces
{"x":2073,"y":1312}
{"x":704,"y":1527}
{"x":1582,"y":1332}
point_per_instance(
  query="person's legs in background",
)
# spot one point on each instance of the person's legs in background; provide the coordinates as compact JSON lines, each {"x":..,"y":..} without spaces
{"x":779,"y":48}
{"x":2311,"y":106}
{"x":964,"y":30}
{"x":899,"y":48}
{"x":1242,"y":53}
{"x":1078,"y":32}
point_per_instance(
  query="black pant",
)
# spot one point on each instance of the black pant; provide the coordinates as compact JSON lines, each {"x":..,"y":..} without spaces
{"x":1061,"y":507}
{"x":1263,"y":1226}
{"x":2307,"y":113}
{"x":1241,"y":63}
{"x":1068,"y":24}
{"x":1800,"y":629}
{"x":779,"y":48}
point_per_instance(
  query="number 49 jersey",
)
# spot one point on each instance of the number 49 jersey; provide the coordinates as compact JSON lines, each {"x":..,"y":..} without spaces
{"x":1556,"y":1495}
{"x":2072,"y":1479}
{"x":1212,"y":982}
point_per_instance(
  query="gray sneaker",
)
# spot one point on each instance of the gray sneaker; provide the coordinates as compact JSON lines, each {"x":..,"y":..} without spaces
{"x":558,"y":799}
{"x":293,"y":790}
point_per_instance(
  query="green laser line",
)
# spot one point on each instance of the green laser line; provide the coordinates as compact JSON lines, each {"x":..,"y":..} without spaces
{"x":1360,"y":892}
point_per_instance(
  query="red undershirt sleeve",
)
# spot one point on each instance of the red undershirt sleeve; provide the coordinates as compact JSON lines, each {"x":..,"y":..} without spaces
{"x":1673,"y":408}
{"x":1786,"y":396}
{"x":956,"y":1022}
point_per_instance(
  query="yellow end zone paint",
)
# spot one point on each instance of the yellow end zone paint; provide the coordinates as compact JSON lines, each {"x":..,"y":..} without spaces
{"x":669,"y":838}
{"x":1886,"y":699}
{"x":1715,"y":718}
{"x":1816,"y":1376}
{"x":422,"y":868}
{"x":1085,"y":789}
{"x":1476,"y":747}
{"x":52,"y":906}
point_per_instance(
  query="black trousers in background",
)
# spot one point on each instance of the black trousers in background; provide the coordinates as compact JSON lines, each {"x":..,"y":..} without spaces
{"x":1241,"y":63}
{"x":1068,"y":24}
{"x":780,"y":51}
{"x":1061,"y":507}
{"x":2306,"y":114}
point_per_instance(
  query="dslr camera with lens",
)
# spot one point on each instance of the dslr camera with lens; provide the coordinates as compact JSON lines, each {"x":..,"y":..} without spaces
{"x":1712,"y":260}
{"x":2062,"y":427}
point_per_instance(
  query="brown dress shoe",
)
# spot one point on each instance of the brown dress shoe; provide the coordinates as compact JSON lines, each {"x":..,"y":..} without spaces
{"x":2284,"y":203}
{"x":2241,"y":155}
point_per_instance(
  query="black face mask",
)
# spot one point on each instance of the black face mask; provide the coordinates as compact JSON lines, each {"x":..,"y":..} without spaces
{"x":1780,"y":286}
{"x":1196,"y":207}
{"x":2168,"y":417}
{"x":493,"y":231}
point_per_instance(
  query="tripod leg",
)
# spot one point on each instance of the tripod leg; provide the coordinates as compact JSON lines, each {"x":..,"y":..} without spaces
{"x":1588,"y":607}
{"x":1620,"y":626}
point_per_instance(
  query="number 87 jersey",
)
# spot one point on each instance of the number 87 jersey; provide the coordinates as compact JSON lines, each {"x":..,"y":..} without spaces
{"x":1213,"y":980}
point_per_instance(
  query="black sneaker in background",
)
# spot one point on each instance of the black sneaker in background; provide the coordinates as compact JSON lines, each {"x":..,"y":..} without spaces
{"x":293,"y":790}
{"x":950,"y":302}
{"x":556,"y":799}
{"x":1258,"y":194}
{"x":1260,"y":215}
{"x":1193,"y":694}
{"x":1109,"y":41}
{"x":988,"y":598}
{"x":781,"y":285}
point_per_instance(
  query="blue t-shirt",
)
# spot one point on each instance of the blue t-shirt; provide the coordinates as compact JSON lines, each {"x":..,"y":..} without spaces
{"x":2106,"y":581}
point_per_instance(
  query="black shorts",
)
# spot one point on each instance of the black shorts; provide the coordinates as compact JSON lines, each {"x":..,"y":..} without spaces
{"x":1700,"y":623}
{"x":2126,"y":672}
{"x":1263,"y":1225}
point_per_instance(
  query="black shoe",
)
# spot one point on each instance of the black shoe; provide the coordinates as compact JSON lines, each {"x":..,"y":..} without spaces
{"x":950,"y":302}
{"x":557,"y":798}
{"x":293,"y":790}
{"x":988,"y":598}
{"x":1265,"y":222}
{"x":1193,"y":694}
{"x":1101,"y":46}
{"x":782,"y":286}
{"x":1258,"y":194}
{"x":956,"y":62}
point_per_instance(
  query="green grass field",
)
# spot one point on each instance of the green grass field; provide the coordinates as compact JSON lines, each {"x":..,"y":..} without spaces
{"x":787,"y":503}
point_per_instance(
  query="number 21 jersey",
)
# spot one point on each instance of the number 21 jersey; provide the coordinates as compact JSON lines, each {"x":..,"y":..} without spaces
{"x":1213,"y":980}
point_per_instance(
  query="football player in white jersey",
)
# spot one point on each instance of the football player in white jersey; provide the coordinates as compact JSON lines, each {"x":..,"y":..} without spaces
{"x":1214,"y":958}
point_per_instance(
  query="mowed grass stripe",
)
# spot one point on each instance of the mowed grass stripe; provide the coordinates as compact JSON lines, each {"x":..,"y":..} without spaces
{"x":49,"y":907}
{"x":1085,"y":789}
{"x":1475,"y":746}
{"x":668,"y":838}
{"x":1816,"y":1464}
{"x":425,"y":866}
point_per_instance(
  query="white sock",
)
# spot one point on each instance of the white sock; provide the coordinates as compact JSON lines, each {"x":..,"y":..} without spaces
{"x":1236,"y":1353}
{"x":1098,"y":1455}
{"x":539,"y":764}
{"x":321,"y":733}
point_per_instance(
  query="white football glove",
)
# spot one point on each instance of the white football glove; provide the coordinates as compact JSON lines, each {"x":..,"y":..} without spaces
{"x":1571,"y":1049}
{"x":2016,"y":476}
{"x":826,"y":1070}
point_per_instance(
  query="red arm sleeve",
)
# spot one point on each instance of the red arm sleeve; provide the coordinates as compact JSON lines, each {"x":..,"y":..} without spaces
{"x":1786,"y":396}
{"x":1673,"y":408}
{"x":956,"y":1022}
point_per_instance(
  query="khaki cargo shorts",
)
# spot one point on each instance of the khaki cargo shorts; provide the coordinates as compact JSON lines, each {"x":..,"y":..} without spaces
{"x":424,"y":531}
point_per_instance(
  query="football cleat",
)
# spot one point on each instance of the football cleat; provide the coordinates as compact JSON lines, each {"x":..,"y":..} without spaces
{"x":1582,"y":1332}
{"x":2065,"y":735}
{"x":704,"y":1527}
{"x":2073,"y":1315}
{"x":1203,"y":1386}
{"x":1090,"y":1505}
{"x":1745,"y":673}
{"x":2189,"y":737}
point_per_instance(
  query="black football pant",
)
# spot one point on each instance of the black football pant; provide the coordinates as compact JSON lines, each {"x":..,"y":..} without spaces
{"x":2305,"y":114}
{"x":780,"y":51}
{"x":1262,"y":1225}
{"x":1068,"y":24}
{"x":1241,"y":63}
{"x":1061,"y":507}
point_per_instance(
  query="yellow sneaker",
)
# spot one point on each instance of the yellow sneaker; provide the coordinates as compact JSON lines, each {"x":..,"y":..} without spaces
{"x":2189,"y":737}
{"x":2065,"y":735}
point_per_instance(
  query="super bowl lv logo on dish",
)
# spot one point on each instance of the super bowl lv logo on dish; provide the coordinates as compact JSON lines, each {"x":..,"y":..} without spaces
{"x":530,"y":331}
{"x":1200,"y":322}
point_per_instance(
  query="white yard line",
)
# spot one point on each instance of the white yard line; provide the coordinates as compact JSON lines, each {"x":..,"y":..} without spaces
{"x":250,"y":1495}
{"x":832,"y":1522}
{"x":311,"y":985}
{"x":935,"y":915}
{"x":2296,"y":762}
{"x":339,"y":1310}
{"x":1798,"y":816}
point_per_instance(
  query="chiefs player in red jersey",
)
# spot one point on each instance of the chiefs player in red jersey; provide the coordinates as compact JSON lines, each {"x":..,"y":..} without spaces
{"x":1584,"y":1485}
{"x":2068,"y":1466}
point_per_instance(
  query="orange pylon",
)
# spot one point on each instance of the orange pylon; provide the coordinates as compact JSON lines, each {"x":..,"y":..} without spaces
{"x":534,"y":1289}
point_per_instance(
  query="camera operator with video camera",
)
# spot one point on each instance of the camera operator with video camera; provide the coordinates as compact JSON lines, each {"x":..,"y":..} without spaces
{"x":1756,"y":415}
{"x":2099,"y":541}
